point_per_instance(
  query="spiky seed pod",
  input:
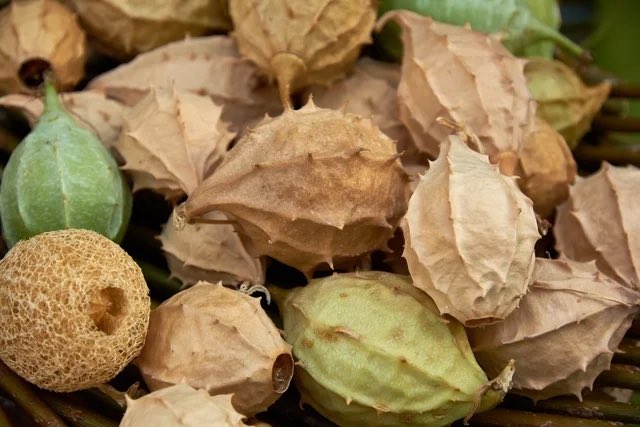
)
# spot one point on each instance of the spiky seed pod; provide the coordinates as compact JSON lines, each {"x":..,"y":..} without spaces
{"x":332,"y":189}
{"x":322,"y":40}
{"x":477,"y":266}
{"x":465,"y":76}
{"x":564,"y":101}
{"x":372,"y":350}
{"x":546,"y":168}
{"x":210,"y":252}
{"x":136,"y":27}
{"x":220,"y":340}
{"x":74,"y":309}
{"x":564,"y":333}
{"x":181,"y":406}
{"x":36,"y":36}
{"x":171,"y":140}
{"x":600,"y":222}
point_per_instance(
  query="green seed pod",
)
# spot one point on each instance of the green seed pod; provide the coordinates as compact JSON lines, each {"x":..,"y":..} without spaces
{"x":373,"y":351}
{"x":61,"y":176}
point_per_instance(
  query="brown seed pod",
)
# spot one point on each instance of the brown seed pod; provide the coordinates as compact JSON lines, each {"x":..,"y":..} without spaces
{"x":209,"y":252}
{"x":321,"y":42}
{"x":563,"y":334}
{"x":36,"y":36}
{"x":135,"y":27}
{"x":207,"y":66}
{"x":600,"y":222}
{"x":465,"y":76}
{"x":332,"y":189}
{"x":74,"y":309}
{"x":470,"y":236}
{"x":220,"y":340}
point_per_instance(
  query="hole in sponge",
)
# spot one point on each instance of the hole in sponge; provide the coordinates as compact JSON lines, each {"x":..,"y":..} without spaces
{"x":282,"y":372}
{"x":32,"y":72}
{"x":107,"y":309}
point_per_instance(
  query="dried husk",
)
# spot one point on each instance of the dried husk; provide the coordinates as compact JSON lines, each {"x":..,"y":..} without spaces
{"x":171,"y":140}
{"x":600,"y":222}
{"x":470,"y":236}
{"x":300,"y":43}
{"x":36,"y":35}
{"x":214,"y":338}
{"x":546,"y":168}
{"x":564,"y":333}
{"x":209,"y":252}
{"x":564,"y":101}
{"x":464,"y":76}
{"x":140,"y":26}
{"x":311,"y":186}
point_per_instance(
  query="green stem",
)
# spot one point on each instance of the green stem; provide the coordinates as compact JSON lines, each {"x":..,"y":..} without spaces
{"x":610,"y":153}
{"x":621,"y":376}
{"x":75,"y":414}
{"x":628,"y":354}
{"x":614,"y":123}
{"x":4,"y":418}
{"x":511,"y":418}
{"x":159,"y":281}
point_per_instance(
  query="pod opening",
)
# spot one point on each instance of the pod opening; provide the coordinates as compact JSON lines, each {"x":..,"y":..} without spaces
{"x":32,"y":72}
{"x":108,"y":308}
{"x":282,"y":372}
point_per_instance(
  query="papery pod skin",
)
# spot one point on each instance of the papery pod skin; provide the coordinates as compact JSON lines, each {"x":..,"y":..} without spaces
{"x":477,"y":266}
{"x":563,"y":334}
{"x":600,"y":222}
{"x":311,"y":186}
{"x":547,"y":12}
{"x":207,"y":66}
{"x":546,"y":168}
{"x":209,"y":252}
{"x":564,"y":101}
{"x":220,"y":340}
{"x":36,"y":35}
{"x":135,"y":27}
{"x":171,"y":140}
{"x":465,"y":76}
{"x":61,"y":176}
{"x":181,"y":406}
{"x":321,"y":42}
{"x":372,"y":350}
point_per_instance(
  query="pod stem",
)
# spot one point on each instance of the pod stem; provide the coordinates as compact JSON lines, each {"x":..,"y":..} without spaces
{"x":563,"y":42}
{"x":621,"y":376}
{"x":492,"y":393}
{"x":75,"y":414}
{"x":51,"y":99}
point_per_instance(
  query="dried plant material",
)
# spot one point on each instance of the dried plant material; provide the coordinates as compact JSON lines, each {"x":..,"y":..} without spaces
{"x":564,"y":333}
{"x":300,"y":43}
{"x":124,"y":28}
{"x":600,"y":222}
{"x":171,"y":140}
{"x":566,"y":103}
{"x":546,"y":168}
{"x":464,"y":76}
{"x":470,"y":236}
{"x":37,"y":36}
{"x":181,"y":406}
{"x":415,"y":171}
{"x":209,"y":252}
{"x":74,"y":309}
{"x":309,"y":187}
{"x":206,"y":66}
{"x":220,"y":340}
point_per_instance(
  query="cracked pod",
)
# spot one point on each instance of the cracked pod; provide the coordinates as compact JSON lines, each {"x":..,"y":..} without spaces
{"x":373,"y":351}
{"x":469,"y":236}
{"x":220,"y":340}
{"x":308,"y":187}
{"x":563,"y":334}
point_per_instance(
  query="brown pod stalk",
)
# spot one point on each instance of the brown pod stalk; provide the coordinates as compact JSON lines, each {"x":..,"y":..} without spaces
{"x":37,"y":36}
{"x":563,"y":334}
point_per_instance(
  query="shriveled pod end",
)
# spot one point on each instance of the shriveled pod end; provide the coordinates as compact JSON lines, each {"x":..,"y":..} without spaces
{"x":288,"y":70}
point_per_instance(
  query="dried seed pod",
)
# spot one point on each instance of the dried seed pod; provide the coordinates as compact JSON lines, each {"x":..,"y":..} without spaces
{"x":74,"y":309}
{"x":332,"y":189}
{"x":36,"y":36}
{"x":135,"y":27}
{"x":600,"y":222}
{"x":210,"y":252}
{"x":181,"y":406}
{"x":477,"y":266}
{"x":563,"y":100}
{"x":546,"y":168}
{"x":563,"y":334}
{"x":171,"y":140}
{"x":321,"y":42}
{"x":361,"y":363}
{"x":206,"y":66}
{"x":465,"y":76}
{"x":220,"y":340}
